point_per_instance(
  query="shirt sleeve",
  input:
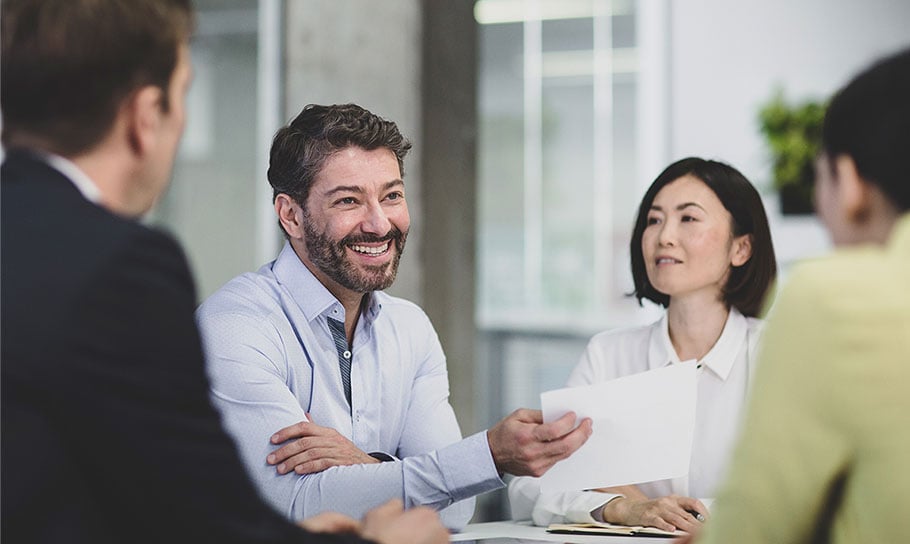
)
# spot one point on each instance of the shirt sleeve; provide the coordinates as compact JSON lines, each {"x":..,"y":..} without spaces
{"x":586,"y":371}
{"x":527,"y":502}
{"x":791,"y":449}
{"x":462,"y":469}
{"x":436,"y":467}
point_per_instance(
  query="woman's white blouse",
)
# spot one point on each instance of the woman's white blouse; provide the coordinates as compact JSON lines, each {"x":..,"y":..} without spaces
{"x":723,"y":381}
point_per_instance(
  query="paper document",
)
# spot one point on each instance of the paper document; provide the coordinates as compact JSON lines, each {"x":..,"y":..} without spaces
{"x":643,"y":429}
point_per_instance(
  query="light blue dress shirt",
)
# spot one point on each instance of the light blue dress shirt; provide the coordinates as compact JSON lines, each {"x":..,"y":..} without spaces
{"x":271,"y":358}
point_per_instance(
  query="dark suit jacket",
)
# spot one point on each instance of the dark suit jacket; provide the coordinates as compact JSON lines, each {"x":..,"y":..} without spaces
{"x":108,"y":433}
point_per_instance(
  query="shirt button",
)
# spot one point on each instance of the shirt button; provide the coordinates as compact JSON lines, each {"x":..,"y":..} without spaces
{"x":346,"y":354}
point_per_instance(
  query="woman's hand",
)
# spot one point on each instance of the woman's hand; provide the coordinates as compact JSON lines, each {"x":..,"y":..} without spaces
{"x":669,"y":513}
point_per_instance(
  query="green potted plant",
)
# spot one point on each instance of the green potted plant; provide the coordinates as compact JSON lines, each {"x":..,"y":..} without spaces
{"x":793,"y":134}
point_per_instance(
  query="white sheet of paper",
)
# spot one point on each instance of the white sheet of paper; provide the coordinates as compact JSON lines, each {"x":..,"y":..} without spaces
{"x":643,"y":429}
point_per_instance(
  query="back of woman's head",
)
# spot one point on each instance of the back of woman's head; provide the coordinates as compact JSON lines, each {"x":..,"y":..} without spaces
{"x":748,"y":284}
{"x":869,"y":121}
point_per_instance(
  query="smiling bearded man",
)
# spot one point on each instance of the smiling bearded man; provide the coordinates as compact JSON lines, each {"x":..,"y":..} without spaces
{"x":329,"y":256}
{"x":310,"y":354}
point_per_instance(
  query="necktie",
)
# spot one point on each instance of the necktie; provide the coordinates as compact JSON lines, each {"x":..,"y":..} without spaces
{"x":344,"y":355}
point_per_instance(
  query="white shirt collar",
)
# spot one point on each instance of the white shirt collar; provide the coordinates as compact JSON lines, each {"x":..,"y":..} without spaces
{"x":80,"y":179}
{"x":719,"y":359}
{"x":313,"y":298}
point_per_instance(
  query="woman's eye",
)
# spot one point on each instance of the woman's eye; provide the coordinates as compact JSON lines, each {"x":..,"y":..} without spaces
{"x":653,"y":220}
{"x":687,"y":218}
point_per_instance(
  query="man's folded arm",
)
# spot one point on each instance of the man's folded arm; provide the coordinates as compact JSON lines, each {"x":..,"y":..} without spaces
{"x":249,"y":387}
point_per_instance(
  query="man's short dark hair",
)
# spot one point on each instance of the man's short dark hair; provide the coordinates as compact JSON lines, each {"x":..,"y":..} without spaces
{"x":869,"y":121}
{"x":67,"y":65}
{"x":747,"y":284}
{"x":300,"y":149}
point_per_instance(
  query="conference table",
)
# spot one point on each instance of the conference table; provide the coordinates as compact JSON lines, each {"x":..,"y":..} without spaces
{"x":523,"y":532}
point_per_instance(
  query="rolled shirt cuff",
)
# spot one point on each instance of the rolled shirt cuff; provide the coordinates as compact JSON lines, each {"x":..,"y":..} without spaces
{"x":382,"y":457}
{"x":587,"y":507}
{"x":468,"y":467}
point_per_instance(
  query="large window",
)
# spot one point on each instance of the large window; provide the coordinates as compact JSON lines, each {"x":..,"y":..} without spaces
{"x":560,"y":125}
{"x":559,"y":99}
{"x":557,"y":161}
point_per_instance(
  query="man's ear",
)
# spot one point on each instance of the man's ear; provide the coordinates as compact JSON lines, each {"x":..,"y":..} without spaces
{"x":290,"y":215}
{"x":852,"y":190}
{"x":143,"y":113}
{"x":742,"y":250}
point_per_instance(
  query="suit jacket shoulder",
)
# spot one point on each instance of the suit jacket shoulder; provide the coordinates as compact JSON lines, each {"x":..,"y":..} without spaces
{"x":103,"y":382}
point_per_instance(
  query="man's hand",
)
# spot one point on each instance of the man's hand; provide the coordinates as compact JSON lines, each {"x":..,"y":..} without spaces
{"x":330,"y":522}
{"x":389,"y":524}
{"x":386,"y":524}
{"x":523,"y":445}
{"x":313,"y":448}
{"x":668,"y":513}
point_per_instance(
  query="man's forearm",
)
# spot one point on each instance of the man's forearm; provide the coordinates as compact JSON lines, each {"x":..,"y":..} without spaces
{"x":427,"y":479}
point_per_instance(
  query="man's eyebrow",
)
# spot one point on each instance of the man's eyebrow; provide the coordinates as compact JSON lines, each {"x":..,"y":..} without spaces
{"x":394,"y":183}
{"x":359,"y":190}
{"x":344,"y":189}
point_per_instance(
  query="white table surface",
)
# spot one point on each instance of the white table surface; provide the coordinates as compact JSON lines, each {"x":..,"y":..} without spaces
{"x":523,"y":530}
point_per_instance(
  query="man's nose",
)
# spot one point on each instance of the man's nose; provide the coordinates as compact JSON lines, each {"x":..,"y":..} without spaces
{"x":376,"y":221}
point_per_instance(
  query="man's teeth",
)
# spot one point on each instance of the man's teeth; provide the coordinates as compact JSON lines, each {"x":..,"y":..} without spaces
{"x":371,"y":250}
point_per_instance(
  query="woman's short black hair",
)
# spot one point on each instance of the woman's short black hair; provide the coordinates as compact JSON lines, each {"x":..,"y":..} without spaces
{"x":747,"y":284}
{"x":869,"y":121}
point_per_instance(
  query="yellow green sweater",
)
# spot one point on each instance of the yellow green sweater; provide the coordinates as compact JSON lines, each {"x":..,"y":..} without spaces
{"x":824,"y":453}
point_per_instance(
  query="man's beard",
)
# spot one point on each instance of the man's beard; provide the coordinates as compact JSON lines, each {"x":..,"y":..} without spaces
{"x":331,"y":258}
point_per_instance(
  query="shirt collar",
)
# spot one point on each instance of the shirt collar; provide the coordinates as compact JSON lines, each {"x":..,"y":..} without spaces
{"x":313,"y":298}
{"x":722,"y":356}
{"x":719,"y":359}
{"x":80,"y":179}
{"x":660,"y":350}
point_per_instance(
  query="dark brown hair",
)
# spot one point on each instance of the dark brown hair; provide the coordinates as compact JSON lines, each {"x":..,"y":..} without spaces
{"x":748,"y":284}
{"x":869,"y":121}
{"x":67,"y":65}
{"x":301,"y":148}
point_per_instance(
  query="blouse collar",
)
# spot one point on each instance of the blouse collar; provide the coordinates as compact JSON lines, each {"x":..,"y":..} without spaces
{"x":719,"y":359}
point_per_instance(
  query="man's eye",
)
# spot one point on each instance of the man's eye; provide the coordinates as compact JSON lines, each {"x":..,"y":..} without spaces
{"x":395,"y":196}
{"x":347,"y":200}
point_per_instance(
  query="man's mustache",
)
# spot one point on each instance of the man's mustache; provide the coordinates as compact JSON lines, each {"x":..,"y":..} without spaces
{"x":394,"y":234}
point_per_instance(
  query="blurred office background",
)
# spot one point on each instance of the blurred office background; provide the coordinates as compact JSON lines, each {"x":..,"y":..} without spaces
{"x":537,"y":125}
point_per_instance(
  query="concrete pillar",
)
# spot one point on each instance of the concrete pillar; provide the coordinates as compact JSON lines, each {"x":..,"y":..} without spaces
{"x":450,"y":178}
{"x":413,"y":62}
{"x":366,"y":52}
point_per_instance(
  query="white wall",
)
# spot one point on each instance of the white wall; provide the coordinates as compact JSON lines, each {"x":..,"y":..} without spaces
{"x":727,"y":57}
